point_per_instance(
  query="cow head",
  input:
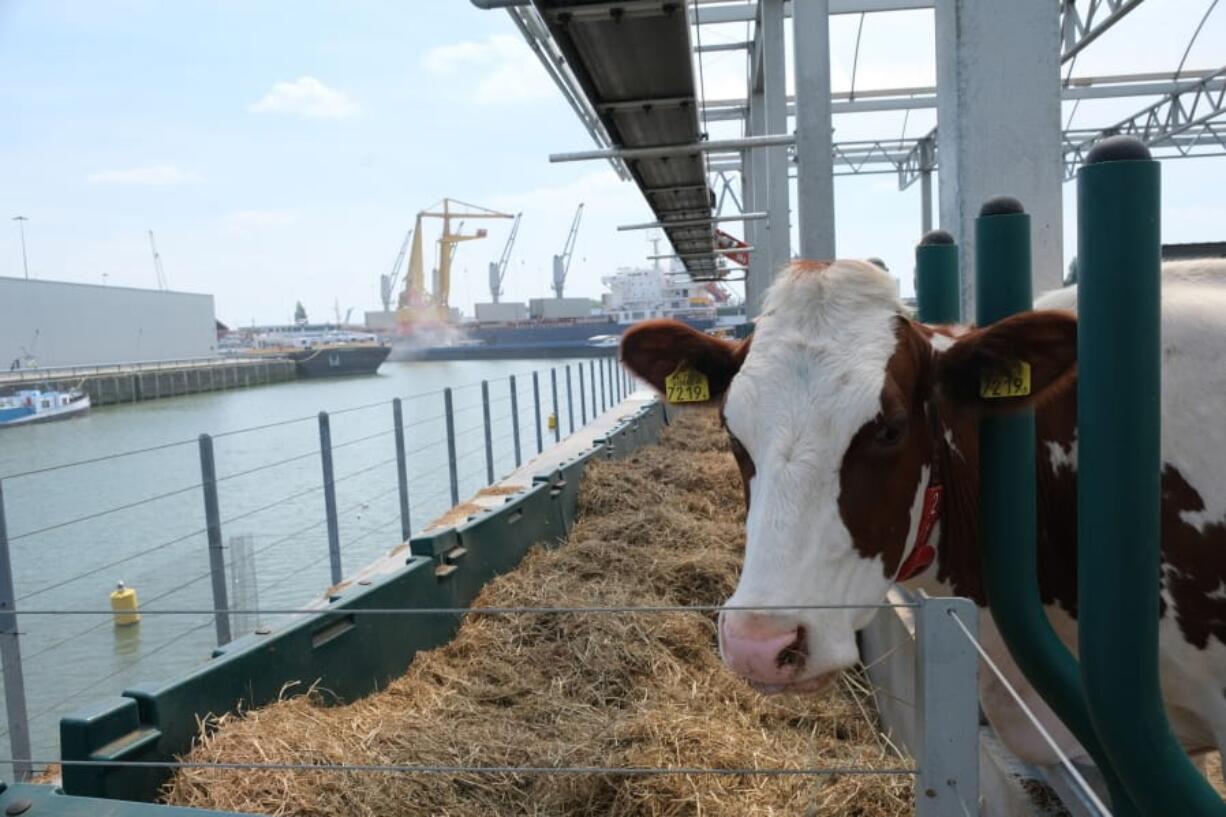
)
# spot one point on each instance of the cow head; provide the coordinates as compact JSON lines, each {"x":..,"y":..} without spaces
{"x":836,"y":415}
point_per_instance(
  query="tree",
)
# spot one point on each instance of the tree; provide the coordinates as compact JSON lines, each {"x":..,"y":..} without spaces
{"x":300,"y":315}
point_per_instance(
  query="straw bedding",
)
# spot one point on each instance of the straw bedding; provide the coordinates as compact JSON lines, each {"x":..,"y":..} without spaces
{"x":664,"y":527}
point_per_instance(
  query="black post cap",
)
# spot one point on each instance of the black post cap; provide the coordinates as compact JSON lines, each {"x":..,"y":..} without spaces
{"x":1118,"y":149}
{"x":936,"y":237}
{"x":1001,"y":206}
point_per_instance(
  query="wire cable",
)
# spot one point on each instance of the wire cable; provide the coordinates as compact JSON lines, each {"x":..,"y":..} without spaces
{"x":1064,"y":759}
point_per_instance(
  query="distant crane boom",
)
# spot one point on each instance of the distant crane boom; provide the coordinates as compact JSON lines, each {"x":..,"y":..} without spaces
{"x":387,"y":283}
{"x":157,"y":263}
{"x":498,"y":271}
{"x":561,"y":263}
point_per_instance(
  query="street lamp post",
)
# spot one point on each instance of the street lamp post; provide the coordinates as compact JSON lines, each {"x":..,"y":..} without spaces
{"x":21,"y":228}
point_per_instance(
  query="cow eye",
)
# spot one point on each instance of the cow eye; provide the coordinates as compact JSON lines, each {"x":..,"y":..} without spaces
{"x":890,"y":431}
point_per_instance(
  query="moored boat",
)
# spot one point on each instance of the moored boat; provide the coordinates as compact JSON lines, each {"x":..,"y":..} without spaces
{"x":30,"y":406}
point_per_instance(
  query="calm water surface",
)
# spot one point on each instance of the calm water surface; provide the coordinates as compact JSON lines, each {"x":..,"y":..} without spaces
{"x":70,"y":547}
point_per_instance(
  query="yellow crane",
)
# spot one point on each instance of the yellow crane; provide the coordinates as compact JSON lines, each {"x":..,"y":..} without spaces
{"x":415,"y":300}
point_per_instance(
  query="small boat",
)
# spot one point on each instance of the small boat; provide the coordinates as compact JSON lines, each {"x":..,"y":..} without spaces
{"x":39,"y":406}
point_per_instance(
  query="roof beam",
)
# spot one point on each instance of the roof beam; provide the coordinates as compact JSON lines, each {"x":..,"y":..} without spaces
{"x":1194,"y":104}
{"x":693,"y":148}
{"x":1078,"y":30}
{"x":712,"y":14}
{"x":693,"y":222}
{"x":646,"y":104}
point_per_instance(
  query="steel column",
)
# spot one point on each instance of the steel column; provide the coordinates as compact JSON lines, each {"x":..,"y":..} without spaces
{"x":10,"y":658}
{"x":925,"y":201}
{"x":1119,"y":481}
{"x":402,"y":471}
{"x":453,"y":475}
{"x":489,"y":436}
{"x":814,"y":142}
{"x":592,"y":376}
{"x":1000,"y":129}
{"x":774,"y":78}
{"x":334,"y":532}
{"x":212,"y":525}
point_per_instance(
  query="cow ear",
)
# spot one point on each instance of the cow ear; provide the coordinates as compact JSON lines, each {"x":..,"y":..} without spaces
{"x":653,"y":350}
{"x":1021,"y":361}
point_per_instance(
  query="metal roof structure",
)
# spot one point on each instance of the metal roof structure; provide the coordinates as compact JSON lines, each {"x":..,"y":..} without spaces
{"x":634,"y":68}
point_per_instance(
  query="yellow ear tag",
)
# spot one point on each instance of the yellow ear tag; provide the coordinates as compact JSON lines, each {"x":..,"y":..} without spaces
{"x":686,"y":385}
{"x":1014,"y":384}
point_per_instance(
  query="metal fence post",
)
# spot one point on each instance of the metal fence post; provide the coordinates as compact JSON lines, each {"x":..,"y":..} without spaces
{"x":557,"y":420}
{"x":402,"y":471}
{"x":212,"y":524}
{"x":582,"y":398}
{"x":938,"y":290}
{"x":334,"y":531}
{"x":947,"y":708}
{"x":451,"y":459}
{"x":591,"y":366}
{"x":604,"y":392}
{"x":536,"y":402}
{"x":10,"y":658}
{"x":489,"y":439}
{"x":570,"y":401}
{"x":1119,"y":485}
{"x":515,"y":420}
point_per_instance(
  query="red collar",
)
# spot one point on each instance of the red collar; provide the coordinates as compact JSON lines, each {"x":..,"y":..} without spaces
{"x":923,"y":554}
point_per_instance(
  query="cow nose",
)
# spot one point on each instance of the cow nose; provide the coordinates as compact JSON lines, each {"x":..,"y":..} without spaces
{"x":761,"y":648}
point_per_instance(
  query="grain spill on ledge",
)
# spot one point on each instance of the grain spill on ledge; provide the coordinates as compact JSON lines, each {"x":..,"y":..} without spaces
{"x":664,"y":527}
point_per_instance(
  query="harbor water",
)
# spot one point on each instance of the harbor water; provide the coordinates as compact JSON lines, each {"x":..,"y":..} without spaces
{"x":139,"y":518}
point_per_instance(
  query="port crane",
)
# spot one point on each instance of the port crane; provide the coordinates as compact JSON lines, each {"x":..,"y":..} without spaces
{"x":561,"y":263}
{"x":387,"y":283}
{"x":498,"y":271}
{"x":415,"y":300}
{"x":157,"y":263}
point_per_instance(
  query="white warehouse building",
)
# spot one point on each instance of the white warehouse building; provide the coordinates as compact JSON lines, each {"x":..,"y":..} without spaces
{"x":56,"y":323}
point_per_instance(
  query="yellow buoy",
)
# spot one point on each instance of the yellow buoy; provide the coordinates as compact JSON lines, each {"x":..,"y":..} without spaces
{"x":125,"y":605}
{"x":553,"y":421}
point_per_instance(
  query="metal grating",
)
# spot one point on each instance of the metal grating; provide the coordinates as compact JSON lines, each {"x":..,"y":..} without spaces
{"x":632,"y":60}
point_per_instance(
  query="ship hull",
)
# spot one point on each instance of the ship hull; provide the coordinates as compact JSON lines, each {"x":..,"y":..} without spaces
{"x":525,"y":341}
{"x":339,"y":361}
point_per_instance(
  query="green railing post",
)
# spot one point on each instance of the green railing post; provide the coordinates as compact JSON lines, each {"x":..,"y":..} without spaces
{"x":1119,"y":417}
{"x":1008,"y":506}
{"x":938,"y":287}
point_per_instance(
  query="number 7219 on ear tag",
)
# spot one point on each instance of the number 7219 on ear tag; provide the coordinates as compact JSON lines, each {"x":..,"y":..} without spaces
{"x":687,"y":385}
{"x":1014,"y":383}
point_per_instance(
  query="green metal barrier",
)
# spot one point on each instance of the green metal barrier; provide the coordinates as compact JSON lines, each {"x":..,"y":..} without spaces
{"x":1007,"y":521}
{"x":1119,"y":477}
{"x":938,"y":286}
{"x":349,"y":654}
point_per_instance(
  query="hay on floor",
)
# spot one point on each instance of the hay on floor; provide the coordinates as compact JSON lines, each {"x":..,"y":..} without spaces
{"x":664,"y":527}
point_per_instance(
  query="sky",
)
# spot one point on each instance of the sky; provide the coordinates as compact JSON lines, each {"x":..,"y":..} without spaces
{"x":279,"y":149}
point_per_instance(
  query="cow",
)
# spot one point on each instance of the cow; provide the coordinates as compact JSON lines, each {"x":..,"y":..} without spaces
{"x":843,"y":411}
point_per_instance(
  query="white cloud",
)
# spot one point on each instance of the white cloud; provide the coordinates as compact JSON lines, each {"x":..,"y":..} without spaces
{"x":261,"y":219}
{"x":501,"y":67}
{"x":306,"y":96}
{"x":153,"y":175}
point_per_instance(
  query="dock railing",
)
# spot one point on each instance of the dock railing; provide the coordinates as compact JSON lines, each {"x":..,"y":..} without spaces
{"x":315,"y":496}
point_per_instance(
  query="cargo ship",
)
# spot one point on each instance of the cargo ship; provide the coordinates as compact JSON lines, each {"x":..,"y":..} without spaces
{"x":318,"y":350}
{"x":575,"y":327}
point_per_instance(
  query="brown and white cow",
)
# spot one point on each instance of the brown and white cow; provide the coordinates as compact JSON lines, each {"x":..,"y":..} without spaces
{"x":842,"y":413}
